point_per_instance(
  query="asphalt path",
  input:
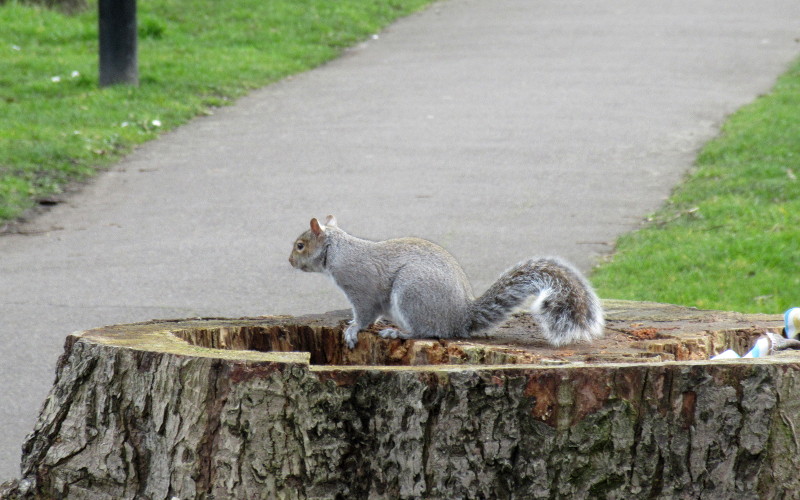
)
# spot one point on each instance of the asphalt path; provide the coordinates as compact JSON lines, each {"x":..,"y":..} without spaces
{"x":500,"y":129}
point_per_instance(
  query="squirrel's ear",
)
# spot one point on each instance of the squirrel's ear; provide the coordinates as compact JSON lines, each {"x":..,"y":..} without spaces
{"x":330,"y":221}
{"x":315,"y":227}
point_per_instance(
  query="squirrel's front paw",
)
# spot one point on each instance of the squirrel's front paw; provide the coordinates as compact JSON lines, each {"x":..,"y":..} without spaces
{"x":351,"y":336}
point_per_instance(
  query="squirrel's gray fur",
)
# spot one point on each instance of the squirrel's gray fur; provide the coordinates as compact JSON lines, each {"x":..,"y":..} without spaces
{"x":419,"y":286}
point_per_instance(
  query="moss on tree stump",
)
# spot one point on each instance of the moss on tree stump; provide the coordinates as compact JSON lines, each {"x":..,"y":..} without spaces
{"x":277,"y":407}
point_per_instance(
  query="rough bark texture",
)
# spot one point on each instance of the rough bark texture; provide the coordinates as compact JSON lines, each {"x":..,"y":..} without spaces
{"x":172,"y":409}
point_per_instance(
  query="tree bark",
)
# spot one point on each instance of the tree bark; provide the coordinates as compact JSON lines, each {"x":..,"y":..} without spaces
{"x":211,"y":409}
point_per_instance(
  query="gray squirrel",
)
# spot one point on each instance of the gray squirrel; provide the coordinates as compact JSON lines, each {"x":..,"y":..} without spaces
{"x":419,"y":286}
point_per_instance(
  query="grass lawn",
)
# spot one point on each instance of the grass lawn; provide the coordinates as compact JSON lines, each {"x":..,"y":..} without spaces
{"x":729,"y":237}
{"x":57,"y":126}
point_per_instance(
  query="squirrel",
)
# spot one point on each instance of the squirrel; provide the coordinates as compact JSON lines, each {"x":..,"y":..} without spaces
{"x":418,"y":286}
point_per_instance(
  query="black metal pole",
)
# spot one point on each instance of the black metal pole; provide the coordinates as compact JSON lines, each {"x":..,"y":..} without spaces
{"x":118,"y":59}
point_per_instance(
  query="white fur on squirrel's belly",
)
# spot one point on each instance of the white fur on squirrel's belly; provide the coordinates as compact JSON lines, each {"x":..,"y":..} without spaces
{"x":396,"y":315}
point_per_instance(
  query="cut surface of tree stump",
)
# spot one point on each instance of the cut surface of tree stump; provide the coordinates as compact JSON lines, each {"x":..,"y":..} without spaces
{"x":278,"y":407}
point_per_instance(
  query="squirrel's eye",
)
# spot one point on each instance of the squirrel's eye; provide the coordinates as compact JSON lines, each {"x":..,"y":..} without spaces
{"x":300,"y":246}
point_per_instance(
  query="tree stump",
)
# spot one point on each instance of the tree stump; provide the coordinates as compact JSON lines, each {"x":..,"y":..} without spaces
{"x":277,"y":407}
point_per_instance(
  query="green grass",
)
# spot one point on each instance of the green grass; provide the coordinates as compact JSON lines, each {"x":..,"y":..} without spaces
{"x":57,"y":126}
{"x":729,"y":237}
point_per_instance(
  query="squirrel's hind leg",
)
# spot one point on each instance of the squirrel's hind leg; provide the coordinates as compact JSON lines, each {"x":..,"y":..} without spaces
{"x":396,"y":315}
{"x":394,"y":333}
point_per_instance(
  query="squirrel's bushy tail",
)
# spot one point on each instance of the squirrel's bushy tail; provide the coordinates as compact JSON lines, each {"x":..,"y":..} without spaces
{"x":565,"y":305}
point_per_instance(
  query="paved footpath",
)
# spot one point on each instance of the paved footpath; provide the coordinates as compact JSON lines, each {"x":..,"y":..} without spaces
{"x":500,"y":129}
